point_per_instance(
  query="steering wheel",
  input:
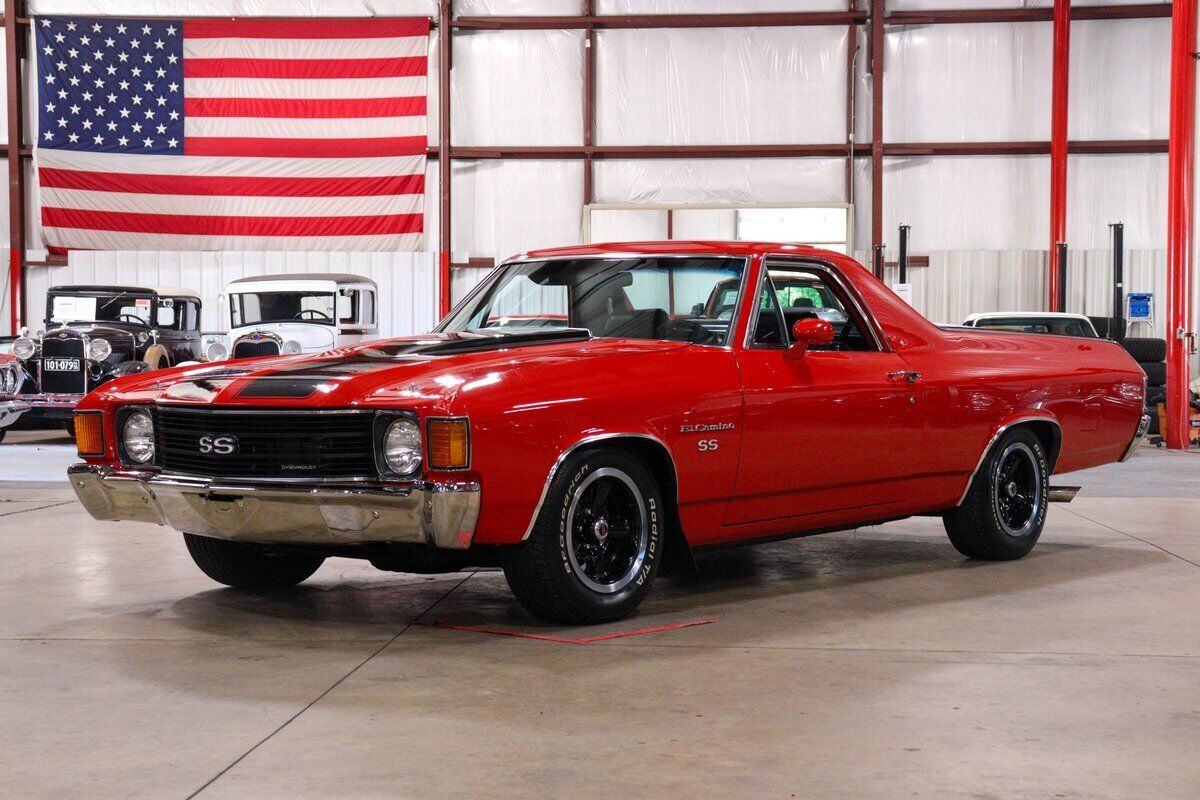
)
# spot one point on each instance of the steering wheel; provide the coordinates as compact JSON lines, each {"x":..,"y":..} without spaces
{"x":321,"y":315}
{"x":132,"y":318}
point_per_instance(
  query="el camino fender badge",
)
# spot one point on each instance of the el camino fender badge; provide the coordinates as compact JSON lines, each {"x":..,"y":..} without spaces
{"x":702,"y":428}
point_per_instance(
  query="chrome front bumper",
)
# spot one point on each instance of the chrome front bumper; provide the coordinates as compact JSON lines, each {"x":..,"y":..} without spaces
{"x":10,"y":410}
{"x":1143,"y":426}
{"x":440,"y":514}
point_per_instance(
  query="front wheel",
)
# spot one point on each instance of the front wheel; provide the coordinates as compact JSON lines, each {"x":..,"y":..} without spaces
{"x":248,"y":566}
{"x":1005,"y":507}
{"x":597,"y":542}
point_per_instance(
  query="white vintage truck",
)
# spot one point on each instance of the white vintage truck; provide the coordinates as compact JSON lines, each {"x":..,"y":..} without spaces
{"x":292,"y":314}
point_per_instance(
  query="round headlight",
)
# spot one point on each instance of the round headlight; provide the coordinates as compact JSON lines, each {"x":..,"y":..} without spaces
{"x":402,"y":447}
{"x":216,"y":351}
{"x":99,"y":349}
{"x":23,"y":348}
{"x":291,"y":348}
{"x":138,"y":437}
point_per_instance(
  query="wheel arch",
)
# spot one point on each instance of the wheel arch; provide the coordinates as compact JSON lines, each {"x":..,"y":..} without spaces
{"x":677,"y":555}
{"x":1046,"y":428}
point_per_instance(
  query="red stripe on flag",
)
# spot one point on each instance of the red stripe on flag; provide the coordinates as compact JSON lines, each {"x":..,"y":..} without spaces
{"x":304,"y":28}
{"x":306,"y":148}
{"x":228,"y":186}
{"x":304,"y":109}
{"x":305,"y":68}
{"x":182,"y":224}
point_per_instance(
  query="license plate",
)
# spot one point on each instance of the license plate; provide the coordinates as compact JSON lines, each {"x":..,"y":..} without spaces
{"x":61,"y":364}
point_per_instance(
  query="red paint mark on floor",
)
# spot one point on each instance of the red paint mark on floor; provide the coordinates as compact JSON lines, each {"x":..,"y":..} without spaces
{"x":545,"y":637}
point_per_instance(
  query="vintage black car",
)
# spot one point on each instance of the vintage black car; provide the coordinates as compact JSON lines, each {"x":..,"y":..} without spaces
{"x":96,"y":333}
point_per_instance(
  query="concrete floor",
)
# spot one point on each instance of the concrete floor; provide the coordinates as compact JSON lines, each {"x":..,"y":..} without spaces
{"x":876,"y":663}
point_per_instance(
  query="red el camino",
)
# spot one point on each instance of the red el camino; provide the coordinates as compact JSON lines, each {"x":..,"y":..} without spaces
{"x":591,"y":414}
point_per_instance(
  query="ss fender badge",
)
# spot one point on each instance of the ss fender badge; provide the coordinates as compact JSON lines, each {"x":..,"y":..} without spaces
{"x":716,"y":426}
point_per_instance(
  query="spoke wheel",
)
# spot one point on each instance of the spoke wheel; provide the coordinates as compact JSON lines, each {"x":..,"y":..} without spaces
{"x":594,"y":548}
{"x":1003,"y":510}
{"x":1017,"y":479}
{"x":607,"y":531}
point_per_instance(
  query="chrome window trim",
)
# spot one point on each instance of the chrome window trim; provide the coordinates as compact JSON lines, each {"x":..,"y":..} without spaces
{"x":996,"y":437}
{"x":869,"y":322}
{"x":587,"y":440}
{"x":519,"y":260}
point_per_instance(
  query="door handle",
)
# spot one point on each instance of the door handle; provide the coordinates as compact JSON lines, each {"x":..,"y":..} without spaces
{"x":909,"y":375}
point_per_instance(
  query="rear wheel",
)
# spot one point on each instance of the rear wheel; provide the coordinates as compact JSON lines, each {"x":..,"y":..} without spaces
{"x":1005,"y":507}
{"x":595,"y":547}
{"x":250,"y":566}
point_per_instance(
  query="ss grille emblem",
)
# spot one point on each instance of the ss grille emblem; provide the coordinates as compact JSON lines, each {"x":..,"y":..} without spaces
{"x":223,"y":445}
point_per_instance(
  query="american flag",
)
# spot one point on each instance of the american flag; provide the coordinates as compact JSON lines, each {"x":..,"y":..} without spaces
{"x":231,"y":134}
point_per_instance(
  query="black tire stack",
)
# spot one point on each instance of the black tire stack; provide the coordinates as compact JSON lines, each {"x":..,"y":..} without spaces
{"x":1151,"y":355}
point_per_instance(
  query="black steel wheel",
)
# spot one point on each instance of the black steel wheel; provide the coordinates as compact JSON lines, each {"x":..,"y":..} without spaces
{"x":594,"y":550}
{"x":1004,"y":510}
{"x":1015,"y":493}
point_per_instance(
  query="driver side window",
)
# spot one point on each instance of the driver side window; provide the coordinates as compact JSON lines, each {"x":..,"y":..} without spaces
{"x":792,"y":294}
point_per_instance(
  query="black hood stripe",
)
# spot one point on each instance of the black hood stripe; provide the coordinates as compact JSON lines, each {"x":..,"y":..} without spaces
{"x":302,"y":379}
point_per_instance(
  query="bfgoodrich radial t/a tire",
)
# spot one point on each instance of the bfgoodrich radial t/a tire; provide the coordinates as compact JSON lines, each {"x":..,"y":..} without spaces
{"x":248,"y":566}
{"x":1005,"y":507}
{"x":596,"y":545}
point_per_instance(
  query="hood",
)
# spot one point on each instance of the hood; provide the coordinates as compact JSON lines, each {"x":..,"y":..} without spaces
{"x":412,"y":372}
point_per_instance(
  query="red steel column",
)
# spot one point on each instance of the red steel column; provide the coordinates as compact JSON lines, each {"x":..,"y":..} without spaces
{"x":1180,"y":184}
{"x":877,"y":19}
{"x":444,"y":161}
{"x":16,"y":175}
{"x":1058,"y":144}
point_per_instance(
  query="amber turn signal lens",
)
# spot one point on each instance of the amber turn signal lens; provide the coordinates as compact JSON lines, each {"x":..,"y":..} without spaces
{"x":449,"y":444}
{"x":89,"y":434}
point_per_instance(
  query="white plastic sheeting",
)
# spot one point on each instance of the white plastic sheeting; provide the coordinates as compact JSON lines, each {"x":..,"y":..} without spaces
{"x":721,"y":86}
{"x":407,"y":281}
{"x":953,"y":83}
{"x":771,"y":180}
{"x":1120,"y":79}
{"x":518,"y":87}
{"x":502,"y":208}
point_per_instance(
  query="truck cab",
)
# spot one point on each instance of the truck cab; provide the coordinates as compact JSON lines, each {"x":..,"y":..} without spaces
{"x":293,"y":314}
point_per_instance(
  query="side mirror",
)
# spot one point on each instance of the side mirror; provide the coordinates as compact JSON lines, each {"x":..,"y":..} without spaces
{"x":806,"y":333}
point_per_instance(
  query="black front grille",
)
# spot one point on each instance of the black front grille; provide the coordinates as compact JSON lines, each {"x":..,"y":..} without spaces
{"x":269,"y":444}
{"x":63,"y":365}
{"x":250,"y":348}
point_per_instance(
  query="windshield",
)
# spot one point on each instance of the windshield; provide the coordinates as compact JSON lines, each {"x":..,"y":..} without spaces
{"x":1055,"y":325}
{"x":637,"y":298}
{"x":256,"y":308}
{"x":124,"y":307}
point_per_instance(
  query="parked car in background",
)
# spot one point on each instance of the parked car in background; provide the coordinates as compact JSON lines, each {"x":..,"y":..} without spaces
{"x":96,"y":333}
{"x":275,"y":315}
{"x":1057,"y":323}
{"x":582,"y":458}
{"x":10,"y":407}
